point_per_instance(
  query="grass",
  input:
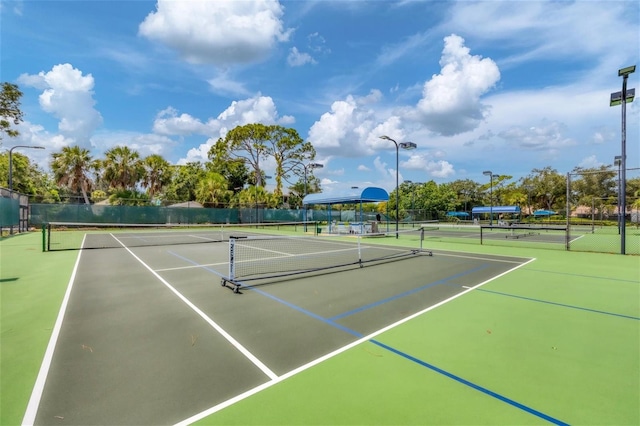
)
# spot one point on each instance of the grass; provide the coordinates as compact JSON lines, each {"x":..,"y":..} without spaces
{"x":560,"y":336}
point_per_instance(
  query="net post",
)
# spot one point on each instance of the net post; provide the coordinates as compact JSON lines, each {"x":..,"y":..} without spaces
{"x":480,"y":234}
{"x":421,"y":237}
{"x":232,"y":263}
{"x":44,"y":237}
{"x":48,"y":237}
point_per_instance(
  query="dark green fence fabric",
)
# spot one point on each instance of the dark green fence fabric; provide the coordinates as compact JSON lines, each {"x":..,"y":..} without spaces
{"x":9,"y":212}
{"x":82,"y":213}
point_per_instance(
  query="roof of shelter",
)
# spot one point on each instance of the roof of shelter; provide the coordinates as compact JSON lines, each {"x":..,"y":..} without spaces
{"x":369,"y":194}
{"x":544,"y":213}
{"x":496,"y":209}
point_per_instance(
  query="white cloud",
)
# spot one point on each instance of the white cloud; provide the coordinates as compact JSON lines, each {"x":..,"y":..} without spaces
{"x":547,"y":136}
{"x":168,"y":122}
{"x":223,"y":84}
{"x":217,"y":32}
{"x":363,"y":168}
{"x":590,"y":162}
{"x":144,"y":144}
{"x":68,"y":96}
{"x":258,"y":109}
{"x":297,"y":58}
{"x":451,"y":100}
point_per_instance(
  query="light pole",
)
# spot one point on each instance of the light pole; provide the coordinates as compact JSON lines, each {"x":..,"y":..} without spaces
{"x":489,"y":173}
{"x":306,"y":168}
{"x":622,"y":98}
{"x":617,"y":161}
{"x":11,"y":161}
{"x":403,"y":145}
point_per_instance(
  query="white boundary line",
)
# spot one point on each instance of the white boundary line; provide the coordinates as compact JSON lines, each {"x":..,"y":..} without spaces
{"x":38,"y":388}
{"x":204,"y":316}
{"x":250,"y":392}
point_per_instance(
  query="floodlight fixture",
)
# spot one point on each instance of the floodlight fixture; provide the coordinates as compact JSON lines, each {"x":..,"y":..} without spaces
{"x":626,"y":70}
{"x":616,"y":97}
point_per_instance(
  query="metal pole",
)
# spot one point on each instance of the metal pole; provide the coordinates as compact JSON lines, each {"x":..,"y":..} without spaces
{"x":11,"y":169}
{"x":397,"y":189}
{"x":623,"y":166}
{"x":491,"y":197}
{"x":305,"y":193}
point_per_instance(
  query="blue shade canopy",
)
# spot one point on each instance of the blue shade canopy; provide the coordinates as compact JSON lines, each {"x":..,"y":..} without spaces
{"x":348,"y":196}
{"x":458,"y":214}
{"x":544,"y":213}
{"x":496,"y":209}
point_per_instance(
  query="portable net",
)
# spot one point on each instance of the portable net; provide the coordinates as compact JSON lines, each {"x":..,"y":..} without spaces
{"x":263,"y":258}
{"x":74,"y":236}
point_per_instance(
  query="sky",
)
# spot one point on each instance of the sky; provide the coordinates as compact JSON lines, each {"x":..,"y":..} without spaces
{"x":503,"y":86}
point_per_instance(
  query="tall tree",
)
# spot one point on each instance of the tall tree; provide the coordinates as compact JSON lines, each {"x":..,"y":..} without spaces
{"x":184,"y":182}
{"x":122,"y":168}
{"x":254,"y":143}
{"x":288,"y":150}
{"x":71,"y":168}
{"x":212,"y":189}
{"x":157,"y":174}
{"x":10,"y":113}
{"x":247,"y":143}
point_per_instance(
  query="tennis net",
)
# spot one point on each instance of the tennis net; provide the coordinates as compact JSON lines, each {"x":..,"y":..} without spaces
{"x":75,"y":236}
{"x":262,"y":257}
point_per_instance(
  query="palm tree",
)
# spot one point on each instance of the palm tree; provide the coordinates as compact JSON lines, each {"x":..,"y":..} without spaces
{"x":212,"y":189}
{"x":122,"y":168}
{"x":157,"y":174}
{"x":71,"y":168}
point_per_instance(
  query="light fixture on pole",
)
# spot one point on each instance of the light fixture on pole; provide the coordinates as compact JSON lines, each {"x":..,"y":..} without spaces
{"x":489,"y":173}
{"x":306,"y":168}
{"x":11,"y":161}
{"x":403,"y":145}
{"x":622,"y":98}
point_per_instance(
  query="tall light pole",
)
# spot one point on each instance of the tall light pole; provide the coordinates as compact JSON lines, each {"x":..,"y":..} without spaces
{"x":403,"y":145}
{"x":11,"y":161}
{"x":622,"y":98}
{"x":306,"y":168}
{"x":489,"y":173}
{"x":617,"y":161}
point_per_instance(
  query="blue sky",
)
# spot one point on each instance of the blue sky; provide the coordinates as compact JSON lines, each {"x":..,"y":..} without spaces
{"x":501,"y":86}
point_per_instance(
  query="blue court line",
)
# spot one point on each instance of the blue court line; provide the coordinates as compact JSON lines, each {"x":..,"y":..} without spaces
{"x":557,"y":304}
{"x":327,"y":321}
{"x":332,"y":323}
{"x":186,"y":259}
{"x":406,"y":293}
{"x":582,"y":275}
{"x":470,"y":384}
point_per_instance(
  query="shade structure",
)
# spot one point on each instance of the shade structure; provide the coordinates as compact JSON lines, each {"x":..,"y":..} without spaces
{"x":369,"y":194}
{"x":543,"y":213}
{"x":496,"y":209}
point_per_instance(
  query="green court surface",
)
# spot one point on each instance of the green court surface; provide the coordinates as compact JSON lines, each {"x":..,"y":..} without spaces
{"x":556,"y":340}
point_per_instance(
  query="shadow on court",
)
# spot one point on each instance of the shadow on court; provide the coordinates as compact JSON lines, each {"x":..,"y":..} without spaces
{"x":151,"y":337}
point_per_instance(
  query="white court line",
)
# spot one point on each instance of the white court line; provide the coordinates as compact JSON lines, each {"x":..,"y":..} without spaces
{"x":266,"y":385}
{"x":204,"y":265}
{"x":38,"y":388}
{"x":204,"y":316}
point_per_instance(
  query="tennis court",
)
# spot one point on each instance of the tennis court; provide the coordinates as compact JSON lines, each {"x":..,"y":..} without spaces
{"x":149,"y":336}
